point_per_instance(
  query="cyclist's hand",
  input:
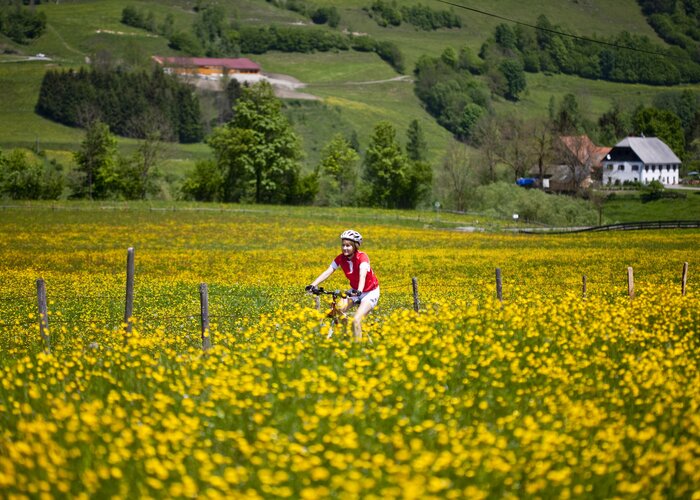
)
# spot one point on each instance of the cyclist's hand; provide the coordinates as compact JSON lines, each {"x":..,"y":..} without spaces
{"x":354,"y":293}
{"x":311,"y":288}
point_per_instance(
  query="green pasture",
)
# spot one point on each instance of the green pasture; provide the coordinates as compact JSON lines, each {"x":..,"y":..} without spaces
{"x":20,"y":126}
{"x":330,"y":68}
{"x":628,"y":207}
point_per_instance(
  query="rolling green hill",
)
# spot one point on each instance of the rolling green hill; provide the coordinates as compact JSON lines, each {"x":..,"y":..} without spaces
{"x":355,"y":89}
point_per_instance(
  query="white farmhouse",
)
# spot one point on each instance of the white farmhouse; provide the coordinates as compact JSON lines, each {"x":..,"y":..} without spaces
{"x":641,"y":159}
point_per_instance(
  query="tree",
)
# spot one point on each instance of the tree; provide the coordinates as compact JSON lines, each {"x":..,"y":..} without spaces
{"x":517,"y":152}
{"x":416,"y":146}
{"x":385,"y":167}
{"x":204,"y":183}
{"x":663,"y":124}
{"x":578,"y":153}
{"x":337,"y":173}
{"x":614,"y":124}
{"x":418,"y":184}
{"x":542,"y":150}
{"x":456,"y":177}
{"x":96,"y":156}
{"x":488,"y":137}
{"x":257,"y":152}
{"x":514,"y":75}
{"x":24,"y":178}
{"x":567,"y":120}
{"x":139,"y":174}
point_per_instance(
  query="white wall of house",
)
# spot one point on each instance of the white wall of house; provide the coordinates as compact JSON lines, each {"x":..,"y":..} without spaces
{"x":619,"y":172}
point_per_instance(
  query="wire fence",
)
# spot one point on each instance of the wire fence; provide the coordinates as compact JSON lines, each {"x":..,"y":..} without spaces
{"x":230,"y":304}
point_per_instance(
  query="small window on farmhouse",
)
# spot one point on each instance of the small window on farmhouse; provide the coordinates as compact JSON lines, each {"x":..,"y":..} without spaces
{"x":635,"y":168}
{"x":621,"y":168}
{"x":610,"y":167}
{"x":653,"y":168}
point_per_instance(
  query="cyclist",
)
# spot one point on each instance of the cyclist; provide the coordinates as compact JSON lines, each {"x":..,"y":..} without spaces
{"x":363,"y":281}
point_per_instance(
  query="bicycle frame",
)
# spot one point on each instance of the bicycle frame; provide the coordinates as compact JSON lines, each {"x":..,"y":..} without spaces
{"x":336,"y":314}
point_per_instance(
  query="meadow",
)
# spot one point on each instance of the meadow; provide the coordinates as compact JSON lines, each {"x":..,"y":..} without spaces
{"x":545,"y":394}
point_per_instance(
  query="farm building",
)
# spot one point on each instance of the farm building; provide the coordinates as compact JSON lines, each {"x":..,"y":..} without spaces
{"x":208,"y":67}
{"x":641,"y":159}
{"x":577,"y":159}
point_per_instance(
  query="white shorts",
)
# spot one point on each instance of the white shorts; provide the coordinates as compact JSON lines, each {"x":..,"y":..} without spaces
{"x":372,"y":297}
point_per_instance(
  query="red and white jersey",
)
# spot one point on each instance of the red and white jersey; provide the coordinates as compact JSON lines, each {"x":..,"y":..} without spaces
{"x":351,"y":268}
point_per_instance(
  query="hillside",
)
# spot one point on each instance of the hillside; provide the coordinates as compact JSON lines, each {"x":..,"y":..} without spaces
{"x":355,"y":89}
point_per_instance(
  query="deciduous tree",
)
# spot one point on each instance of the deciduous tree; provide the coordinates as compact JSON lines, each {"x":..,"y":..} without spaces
{"x":96,"y":156}
{"x":257,"y":151}
{"x":338,"y":173}
{"x":385,"y":167}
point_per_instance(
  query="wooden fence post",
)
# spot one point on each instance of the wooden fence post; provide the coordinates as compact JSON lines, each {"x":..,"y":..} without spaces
{"x":129,"y":309}
{"x":684,"y":278}
{"x":583,"y":285}
{"x":630,"y":282}
{"x":416,"y":304}
{"x":43,"y":313}
{"x":204,"y":302}
{"x":499,"y":285}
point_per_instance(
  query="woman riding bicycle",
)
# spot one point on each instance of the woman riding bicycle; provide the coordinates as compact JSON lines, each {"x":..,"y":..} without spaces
{"x":363,"y":281}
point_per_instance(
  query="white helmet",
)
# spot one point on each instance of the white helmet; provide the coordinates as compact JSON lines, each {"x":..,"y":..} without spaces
{"x":352,"y":236}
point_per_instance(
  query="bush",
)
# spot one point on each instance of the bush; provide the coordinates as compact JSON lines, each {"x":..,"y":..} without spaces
{"x":23,"y":178}
{"x":503,"y":200}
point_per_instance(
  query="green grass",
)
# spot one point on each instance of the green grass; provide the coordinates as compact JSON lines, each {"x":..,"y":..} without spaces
{"x":327,"y":67}
{"x":19,"y":125}
{"x":627,"y":207}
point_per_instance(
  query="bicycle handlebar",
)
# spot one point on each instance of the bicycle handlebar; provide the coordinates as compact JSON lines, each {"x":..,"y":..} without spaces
{"x":334,"y":293}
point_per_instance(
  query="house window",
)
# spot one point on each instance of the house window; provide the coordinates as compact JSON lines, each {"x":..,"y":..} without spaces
{"x":635,"y":168}
{"x":646,"y":168}
{"x":653,"y":168}
{"x":621,"y":168}
{"x":610,"y":167}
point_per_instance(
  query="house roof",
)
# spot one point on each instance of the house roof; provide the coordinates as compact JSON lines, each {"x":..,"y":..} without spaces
{"x":649,"y":149}
{"x":241,"y":63}
{"x":584,"y":149}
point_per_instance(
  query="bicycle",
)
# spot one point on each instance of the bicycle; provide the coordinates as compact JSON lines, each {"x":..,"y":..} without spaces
{"x":340,"y":302}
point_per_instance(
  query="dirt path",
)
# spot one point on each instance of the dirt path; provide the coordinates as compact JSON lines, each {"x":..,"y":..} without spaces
{"x":287,"y":86}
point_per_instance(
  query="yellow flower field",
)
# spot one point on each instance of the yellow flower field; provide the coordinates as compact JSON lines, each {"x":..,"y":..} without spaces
{"x":547,"y":394}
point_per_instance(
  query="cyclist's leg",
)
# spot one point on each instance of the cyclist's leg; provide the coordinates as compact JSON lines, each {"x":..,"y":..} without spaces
{"x":368,"y":302}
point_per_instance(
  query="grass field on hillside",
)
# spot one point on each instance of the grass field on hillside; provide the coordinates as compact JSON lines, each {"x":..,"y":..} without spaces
{"x":72,"y":36}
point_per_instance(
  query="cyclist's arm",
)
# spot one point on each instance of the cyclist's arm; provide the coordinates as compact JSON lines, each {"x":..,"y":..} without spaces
{"x":323,"y":276}
{"x":364,"y":268}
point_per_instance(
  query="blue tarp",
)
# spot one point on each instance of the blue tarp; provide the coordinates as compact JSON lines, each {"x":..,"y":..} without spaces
{"x":525,"y":181}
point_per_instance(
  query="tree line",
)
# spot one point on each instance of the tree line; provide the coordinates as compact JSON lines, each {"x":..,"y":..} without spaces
{"x":99,"y":171}
{"x":319,"y":15}
{"x":624,"y":57}
{"x":421,"y":16}
{"x":677,"y":23}
{"x":256,"y":158}
{"x":124,"y":100}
